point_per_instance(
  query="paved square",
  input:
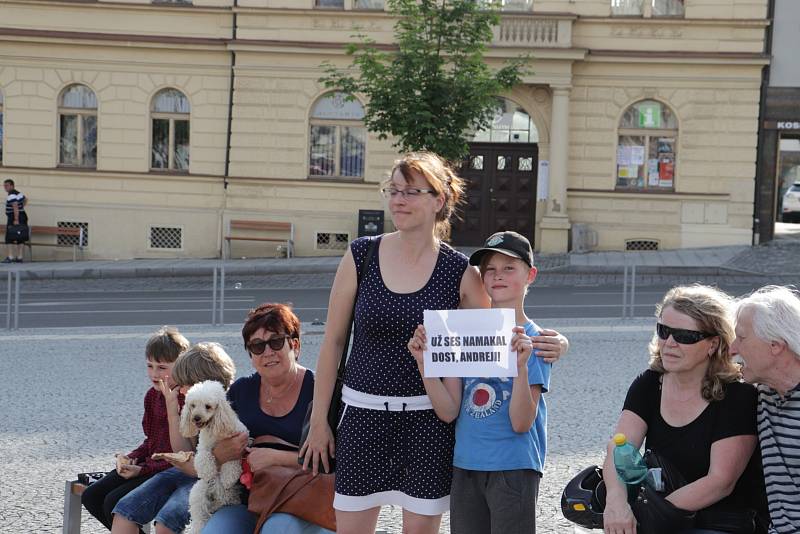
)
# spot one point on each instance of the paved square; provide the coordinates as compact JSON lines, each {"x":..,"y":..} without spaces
{"x":73,"y":397}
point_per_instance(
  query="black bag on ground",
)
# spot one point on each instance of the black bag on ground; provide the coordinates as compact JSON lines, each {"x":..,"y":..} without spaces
{"x":17,"y":233}
{"x":336,"y":397}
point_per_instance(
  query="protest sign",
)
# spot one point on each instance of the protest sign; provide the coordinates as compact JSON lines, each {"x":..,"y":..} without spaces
{"x":470,"y":343}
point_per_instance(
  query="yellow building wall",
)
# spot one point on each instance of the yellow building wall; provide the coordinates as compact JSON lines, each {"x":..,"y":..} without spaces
{"x":126,"y":18}
{"x":704,"y":66}
{"x":717,"y":112}
{"x":273,"y":98}
{"x":32,"y":76}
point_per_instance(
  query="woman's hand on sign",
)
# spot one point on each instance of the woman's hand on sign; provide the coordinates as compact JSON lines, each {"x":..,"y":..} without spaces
{"x":550,"y":345}
{"x":523,"y":346}
{"x":417,"y":345}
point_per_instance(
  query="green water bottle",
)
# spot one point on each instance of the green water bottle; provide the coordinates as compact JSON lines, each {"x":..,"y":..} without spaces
{"x":629,"y":464}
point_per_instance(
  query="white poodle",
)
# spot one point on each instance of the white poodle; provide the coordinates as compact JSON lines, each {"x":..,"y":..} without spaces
{"x":208,"y":413}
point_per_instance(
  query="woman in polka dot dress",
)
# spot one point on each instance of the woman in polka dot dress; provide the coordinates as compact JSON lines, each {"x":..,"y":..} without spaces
{"x":391,"y":447}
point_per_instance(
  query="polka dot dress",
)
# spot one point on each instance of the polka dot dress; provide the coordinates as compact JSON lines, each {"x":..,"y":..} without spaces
{"x":387,"y":456}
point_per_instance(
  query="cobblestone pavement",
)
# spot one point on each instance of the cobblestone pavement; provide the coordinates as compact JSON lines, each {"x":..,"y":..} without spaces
{"x":775,"y":257}
{"x":73,"y":398}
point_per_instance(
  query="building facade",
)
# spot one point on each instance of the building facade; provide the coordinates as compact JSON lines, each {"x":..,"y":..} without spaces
{"x":779,"y":141}
{"x":152,"y":125}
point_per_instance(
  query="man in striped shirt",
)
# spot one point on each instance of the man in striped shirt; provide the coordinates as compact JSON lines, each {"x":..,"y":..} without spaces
{"x":15,"y":215}
{"x":768,"y":340}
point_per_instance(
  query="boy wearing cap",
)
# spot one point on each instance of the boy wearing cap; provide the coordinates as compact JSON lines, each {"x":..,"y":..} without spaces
{"x":501,"y":431}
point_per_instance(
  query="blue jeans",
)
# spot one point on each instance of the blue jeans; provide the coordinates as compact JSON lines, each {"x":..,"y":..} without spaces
{"x":236,"y":519}
{"x":164,"y":498}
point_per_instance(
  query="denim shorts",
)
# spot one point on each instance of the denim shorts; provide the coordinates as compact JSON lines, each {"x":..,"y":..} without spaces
{"x":164,"y":498}
{"x":236,"y":518}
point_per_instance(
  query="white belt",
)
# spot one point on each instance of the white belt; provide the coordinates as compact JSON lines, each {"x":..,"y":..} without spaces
{"x":358,"y":399}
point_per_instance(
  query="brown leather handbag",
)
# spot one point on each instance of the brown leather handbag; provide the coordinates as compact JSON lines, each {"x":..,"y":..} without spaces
{"x":291,"y":490}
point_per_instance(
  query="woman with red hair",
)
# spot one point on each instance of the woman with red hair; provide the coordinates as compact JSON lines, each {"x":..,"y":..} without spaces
{"x":272,"y":404}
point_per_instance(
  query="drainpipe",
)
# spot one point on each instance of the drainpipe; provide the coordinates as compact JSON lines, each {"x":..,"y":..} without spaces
{"x":230,"y":98}
{"x":221,"y":219}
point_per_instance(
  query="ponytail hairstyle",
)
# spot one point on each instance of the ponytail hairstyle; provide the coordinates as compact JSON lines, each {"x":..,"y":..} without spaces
{"x":441,"y":178}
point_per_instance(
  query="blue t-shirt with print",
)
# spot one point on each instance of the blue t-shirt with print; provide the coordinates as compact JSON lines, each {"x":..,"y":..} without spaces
{"x":485,"y":440}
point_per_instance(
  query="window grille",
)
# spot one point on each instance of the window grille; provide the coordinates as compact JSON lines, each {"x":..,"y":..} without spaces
{"x":71,"y":240}
{"x":166,"y":237}
{"x":641,"y":244}
{"x":332,"y":241}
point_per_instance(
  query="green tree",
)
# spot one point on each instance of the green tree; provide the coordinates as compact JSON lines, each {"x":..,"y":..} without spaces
{"x":435,"y":85}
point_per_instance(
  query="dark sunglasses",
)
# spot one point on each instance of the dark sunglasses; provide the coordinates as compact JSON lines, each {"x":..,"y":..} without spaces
{"x":257,"y":346}
{"x":684,"y":337}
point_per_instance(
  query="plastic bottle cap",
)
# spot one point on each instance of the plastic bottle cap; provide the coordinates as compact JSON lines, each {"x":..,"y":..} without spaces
{"x":620,"y":439}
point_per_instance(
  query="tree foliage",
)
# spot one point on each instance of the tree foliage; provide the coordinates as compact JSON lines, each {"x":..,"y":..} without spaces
{"x":435,"y":86}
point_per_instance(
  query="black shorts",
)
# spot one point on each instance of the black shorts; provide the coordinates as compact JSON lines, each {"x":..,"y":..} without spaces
{"x":23,"y":219}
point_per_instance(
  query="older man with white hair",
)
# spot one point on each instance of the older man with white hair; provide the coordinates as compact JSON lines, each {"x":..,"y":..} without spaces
{"x":768,"y":340}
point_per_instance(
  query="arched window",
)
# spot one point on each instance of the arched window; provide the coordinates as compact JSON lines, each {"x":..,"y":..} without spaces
{"x":648,"y":141}
{"x":338,"y":137}
{"x":170,"y":137}
{"x":511,"y":124}
{"x":77,"y":126}
{"x":1,"y":127}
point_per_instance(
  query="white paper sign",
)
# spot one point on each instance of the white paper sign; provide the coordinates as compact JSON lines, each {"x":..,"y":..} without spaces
{"x":623,"y":155}
{"x":543,"y":180}
{"x":466,"y":343}
{"x":637,"y":155}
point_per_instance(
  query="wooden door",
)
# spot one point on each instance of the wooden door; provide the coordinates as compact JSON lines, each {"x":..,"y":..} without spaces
{"x":501,"y":192}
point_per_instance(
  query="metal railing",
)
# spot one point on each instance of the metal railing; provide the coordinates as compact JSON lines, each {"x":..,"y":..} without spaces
{"x":218,"y":313}
{"x":14,"y":287}
{"x":12,"y":295}
{"x":629,"y":291}
{"x":521,"y":30}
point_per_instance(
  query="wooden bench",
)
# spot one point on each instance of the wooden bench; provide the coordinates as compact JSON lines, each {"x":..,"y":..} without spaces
{"x":72,"y":508}
{"x":56,"y":231}
{"x":270,"y":227}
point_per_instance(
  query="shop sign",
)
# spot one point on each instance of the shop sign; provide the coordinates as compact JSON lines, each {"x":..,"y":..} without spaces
{"x":782,"y":125}
{"x":649,"y":115}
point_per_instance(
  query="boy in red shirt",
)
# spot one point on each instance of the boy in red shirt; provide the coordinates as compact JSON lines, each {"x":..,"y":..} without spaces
{"x":137,"y":466}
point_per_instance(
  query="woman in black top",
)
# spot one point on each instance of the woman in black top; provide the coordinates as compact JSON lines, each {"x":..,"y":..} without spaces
{"x":691,"y":408}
